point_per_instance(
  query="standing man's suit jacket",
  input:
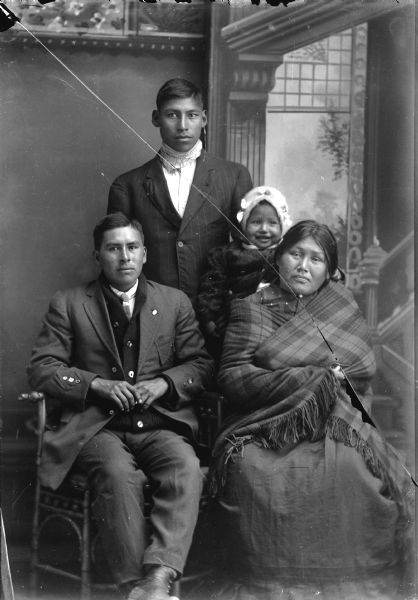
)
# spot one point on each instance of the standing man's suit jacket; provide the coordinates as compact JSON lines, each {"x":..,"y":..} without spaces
{"x":178,"y":247}
{"x":76,"y":344}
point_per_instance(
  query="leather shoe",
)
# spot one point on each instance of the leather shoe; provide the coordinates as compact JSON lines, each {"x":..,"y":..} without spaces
{"x":155,"y":585}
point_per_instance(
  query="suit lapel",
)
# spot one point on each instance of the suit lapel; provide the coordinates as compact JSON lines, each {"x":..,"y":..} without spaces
{"x":149,"y":319}
{"x":201,"y":183}
{"x":157,"y":192}
{"x":96,"y":310}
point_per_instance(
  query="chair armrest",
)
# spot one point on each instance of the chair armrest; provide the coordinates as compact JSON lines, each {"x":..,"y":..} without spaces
{"x":38,"y":398}
{"x":31,"y":397}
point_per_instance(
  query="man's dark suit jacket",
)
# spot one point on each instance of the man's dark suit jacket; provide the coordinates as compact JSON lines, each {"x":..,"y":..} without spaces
{"x":178,"y":247}
{"x":76,"y":344}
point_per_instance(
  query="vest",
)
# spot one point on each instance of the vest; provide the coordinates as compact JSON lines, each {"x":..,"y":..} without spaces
{"x":127,"y":334}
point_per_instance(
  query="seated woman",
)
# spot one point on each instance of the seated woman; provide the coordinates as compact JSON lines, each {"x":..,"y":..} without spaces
{"x":315,"y":502}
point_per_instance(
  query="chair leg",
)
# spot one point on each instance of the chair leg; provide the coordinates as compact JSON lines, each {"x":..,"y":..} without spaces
{"x":85,"y":550}
{"x":34,"y":579}
{"x":175,"y":588}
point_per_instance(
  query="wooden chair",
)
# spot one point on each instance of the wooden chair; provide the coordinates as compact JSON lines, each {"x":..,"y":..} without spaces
{"x":69,"y":506}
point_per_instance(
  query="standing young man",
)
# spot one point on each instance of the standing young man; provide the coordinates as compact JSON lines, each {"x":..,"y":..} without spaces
{"x":182,"y":194}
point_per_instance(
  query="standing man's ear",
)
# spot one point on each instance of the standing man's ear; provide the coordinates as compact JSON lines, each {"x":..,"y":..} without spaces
{"x":155,"y":119}
{"x":204,"y":118}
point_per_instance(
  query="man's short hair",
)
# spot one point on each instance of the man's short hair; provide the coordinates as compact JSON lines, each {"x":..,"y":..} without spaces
{"x":113,"y":221}
{"x":178,"y":88}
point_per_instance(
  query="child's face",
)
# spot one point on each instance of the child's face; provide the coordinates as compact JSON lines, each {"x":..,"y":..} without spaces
{"x":263,"y":226}
{"x":180,"y":121}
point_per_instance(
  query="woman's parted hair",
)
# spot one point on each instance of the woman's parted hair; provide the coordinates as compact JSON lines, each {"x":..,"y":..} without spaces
{"x":322,"y":235}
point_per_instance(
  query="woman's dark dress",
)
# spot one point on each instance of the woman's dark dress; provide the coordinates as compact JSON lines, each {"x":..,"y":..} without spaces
{"x":314,"y":503}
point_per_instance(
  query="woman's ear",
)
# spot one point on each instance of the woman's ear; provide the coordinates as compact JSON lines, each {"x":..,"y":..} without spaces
{"x":338,"y":275}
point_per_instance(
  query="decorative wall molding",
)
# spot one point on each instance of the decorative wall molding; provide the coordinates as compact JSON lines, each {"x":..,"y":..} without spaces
{"x":127,"y":24}
{"x":283,"y":29}
{"x":112,"y":17}
{"x":143,"y":42}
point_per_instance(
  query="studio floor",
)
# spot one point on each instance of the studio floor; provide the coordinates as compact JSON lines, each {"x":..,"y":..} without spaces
{"x":52,"y":587}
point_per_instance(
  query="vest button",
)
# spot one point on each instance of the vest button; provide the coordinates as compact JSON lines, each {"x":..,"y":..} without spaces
{"x":140,"y":424}
{"x":131,"y":374}
{"x":116,"y":324}
{"x":129,"y":344}
{"x":111,"y":411}
{"x":180,"y":244}
{"x":114,"y":369}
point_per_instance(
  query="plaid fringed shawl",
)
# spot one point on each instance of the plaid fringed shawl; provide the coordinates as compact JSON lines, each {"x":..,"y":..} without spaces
{"x":276,"y":378}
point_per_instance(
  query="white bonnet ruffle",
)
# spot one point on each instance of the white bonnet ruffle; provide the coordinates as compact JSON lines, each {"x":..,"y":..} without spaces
{"x":269,"y":194}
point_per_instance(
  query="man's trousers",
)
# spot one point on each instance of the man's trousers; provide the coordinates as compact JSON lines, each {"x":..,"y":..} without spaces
{"x":118,"y":464}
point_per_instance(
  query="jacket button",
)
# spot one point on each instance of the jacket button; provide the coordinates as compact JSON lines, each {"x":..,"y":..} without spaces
{"x":114,"y":369}
{"x":131,"y":374}
{"x":116,"y":324}
{"x":140,"y":424}
{"x":111,"y":411}
{"x":180,"y":244}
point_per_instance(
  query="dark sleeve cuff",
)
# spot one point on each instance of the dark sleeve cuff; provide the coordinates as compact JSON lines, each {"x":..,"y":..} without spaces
{"x":171,"y":398}
{"x":92,"y":397}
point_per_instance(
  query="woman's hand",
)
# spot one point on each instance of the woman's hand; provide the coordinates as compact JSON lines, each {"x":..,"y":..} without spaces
{"x":338,"y":372}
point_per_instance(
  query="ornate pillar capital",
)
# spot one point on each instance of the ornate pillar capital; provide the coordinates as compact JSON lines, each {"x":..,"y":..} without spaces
{"x":369,"y":271}
{"x":371,"y":263}
{"x":252,"y":80}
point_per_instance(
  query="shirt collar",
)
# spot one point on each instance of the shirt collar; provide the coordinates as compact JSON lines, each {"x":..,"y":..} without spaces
{"x":130,"y":293}
{"x":173,"y":160}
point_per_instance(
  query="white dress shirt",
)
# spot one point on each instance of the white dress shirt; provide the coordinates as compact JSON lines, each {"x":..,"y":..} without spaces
{"x":179,"y":169}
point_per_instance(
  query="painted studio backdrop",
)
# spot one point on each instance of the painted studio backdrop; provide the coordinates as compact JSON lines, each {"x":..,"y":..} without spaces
{"x":315,"y":98}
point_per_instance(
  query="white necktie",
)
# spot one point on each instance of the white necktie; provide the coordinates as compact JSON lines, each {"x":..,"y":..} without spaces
{"x":126,"y":306}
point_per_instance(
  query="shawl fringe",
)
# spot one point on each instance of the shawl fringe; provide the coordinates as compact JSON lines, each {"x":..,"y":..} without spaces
{"x":234,"y":445}
{"x":340,"y":431}
{"x":306,"y":422}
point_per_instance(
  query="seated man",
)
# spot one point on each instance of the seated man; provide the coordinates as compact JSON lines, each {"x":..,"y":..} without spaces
{"x":122,"y":359}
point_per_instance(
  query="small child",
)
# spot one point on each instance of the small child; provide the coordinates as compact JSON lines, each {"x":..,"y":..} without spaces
{"x":241,"y":268}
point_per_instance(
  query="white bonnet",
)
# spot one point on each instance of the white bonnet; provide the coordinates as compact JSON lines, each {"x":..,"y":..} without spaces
{"x":269,"y":194}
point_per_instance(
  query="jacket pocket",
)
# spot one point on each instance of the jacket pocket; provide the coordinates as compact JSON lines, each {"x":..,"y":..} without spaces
{"x":166,"y":351}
